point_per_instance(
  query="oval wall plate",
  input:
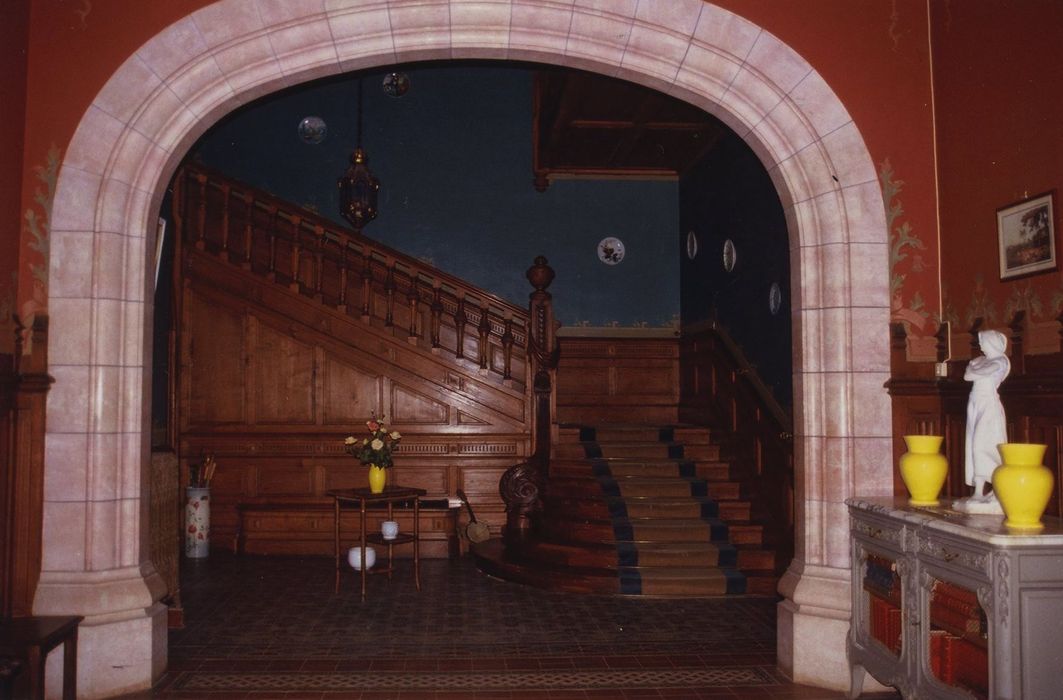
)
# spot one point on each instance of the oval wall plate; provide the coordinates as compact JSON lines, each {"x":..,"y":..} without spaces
{"x":774,"y":298}
{"x":730,"y":255}
{"x":692,"y":245}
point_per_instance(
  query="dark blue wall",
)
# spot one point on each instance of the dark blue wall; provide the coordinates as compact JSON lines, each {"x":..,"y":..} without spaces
{"x":454,"y":159}
{"x":729,"y":195}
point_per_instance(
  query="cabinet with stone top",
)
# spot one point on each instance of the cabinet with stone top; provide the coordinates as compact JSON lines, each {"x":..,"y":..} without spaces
{"x":951,"y":605}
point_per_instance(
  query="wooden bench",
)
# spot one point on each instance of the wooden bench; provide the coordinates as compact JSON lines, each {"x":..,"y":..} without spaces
{"x":302,"y":525}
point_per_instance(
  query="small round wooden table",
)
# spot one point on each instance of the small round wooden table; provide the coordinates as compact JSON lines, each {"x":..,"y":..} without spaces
{"x":364,"y":497}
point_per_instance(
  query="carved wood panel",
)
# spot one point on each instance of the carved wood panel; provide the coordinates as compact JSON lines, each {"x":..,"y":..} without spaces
{"x":306,"y":377}
{"x":213,"y":362}
{"x":284,"y":371}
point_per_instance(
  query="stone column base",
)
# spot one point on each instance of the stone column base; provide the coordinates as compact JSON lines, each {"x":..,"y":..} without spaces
{"x":122,"y":642}
{"x":813,"y":622}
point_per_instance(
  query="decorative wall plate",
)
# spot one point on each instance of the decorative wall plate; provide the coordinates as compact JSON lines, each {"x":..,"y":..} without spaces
{"x":774,"y":298}
{"x":730,"y":255}
{"x":611,"y":251}
{"x":692,"y":245}
{"x":313,"y":130}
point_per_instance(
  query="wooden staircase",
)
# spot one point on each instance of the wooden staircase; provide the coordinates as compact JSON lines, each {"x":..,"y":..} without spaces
{"x":640,"y":510}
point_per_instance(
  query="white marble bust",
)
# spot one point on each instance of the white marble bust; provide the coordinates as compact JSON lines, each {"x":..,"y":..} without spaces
{"x":986,"y":424}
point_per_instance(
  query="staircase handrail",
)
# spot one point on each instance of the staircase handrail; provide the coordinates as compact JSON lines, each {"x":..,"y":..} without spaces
{"x":403,"y":278}
{"x":752,"y":377}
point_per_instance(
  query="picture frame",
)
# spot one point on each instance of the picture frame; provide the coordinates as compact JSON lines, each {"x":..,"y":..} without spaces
{"x":1026,"y":237}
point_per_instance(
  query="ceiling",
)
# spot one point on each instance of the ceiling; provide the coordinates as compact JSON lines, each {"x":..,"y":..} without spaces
{"x":588,"y":125}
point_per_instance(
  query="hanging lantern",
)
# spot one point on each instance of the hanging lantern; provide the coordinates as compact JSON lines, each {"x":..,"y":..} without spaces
{"x":358,"y":191}
{"x":358,"y":187}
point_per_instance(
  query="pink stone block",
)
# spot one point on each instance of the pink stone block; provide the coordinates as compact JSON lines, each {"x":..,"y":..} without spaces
{"x":679,"y":16}
{"x":176,"y":46}
{"x":754,"y":96}
{"x":103,"y":535}
{"x":72,"y":316}
{"x":542,"y":27}
{"x":70,"y":268}
{"x":870,"y":338}
{"x":726,"y":32}
{"x":866,"y":213}
{"x":124,"y":93}
{"x":104,"y":462}
{"x":63,"y":535}
{"x":620,"y":8}
{"x":200,"y":86}
{"x":654,"y":52}
{"x":90,"y":148}
{"x":277,"y":12}
{"x":819,"y":105}
{"x":76,"y":195}
{"x":248,"y":63}
{"x":707,"y":71}
{"x":227,"y":20}
{"x":299,"y":46}
{"x":66,"y":460}
{"x":870,"y":264}
{"x":835,"y":263}
{"x":786,"y":130}
{"x":131,"y":465}
{"x":848,"y":153}
{"x":872,"y":414}
{"x":68,"y":400}
{"x":874,"y":466}
{"x":838,"y":480}
{"x":777,"y":62}
{"x":838,"y":397}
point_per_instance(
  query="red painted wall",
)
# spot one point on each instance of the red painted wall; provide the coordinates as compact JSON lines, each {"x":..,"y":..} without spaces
{"x":875,"y":55}
{"x":999,"y":89}
{"x":14,"y":36}
{"x":872,"y":52}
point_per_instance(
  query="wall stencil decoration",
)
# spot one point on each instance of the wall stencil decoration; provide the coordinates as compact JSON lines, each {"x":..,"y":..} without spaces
{"x":35,"y":230}
{"x":905,"y":258}
{"x":1024,"y":298}
{"x":981,"y":305}
{"x":949,"y":314}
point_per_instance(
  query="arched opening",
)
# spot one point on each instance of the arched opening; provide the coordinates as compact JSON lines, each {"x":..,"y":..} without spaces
{"x":199,"y":69}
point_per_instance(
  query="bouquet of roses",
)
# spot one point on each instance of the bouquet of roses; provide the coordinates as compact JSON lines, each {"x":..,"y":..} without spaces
{"x":377,"y":448}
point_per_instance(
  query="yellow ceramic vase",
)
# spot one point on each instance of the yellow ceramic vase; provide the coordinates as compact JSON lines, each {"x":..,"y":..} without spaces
{"x":378,"y":478}
{"x":1022,"y":484}
{"x":924,"y":468}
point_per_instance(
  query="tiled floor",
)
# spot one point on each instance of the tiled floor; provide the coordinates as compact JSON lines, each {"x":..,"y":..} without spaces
{"x":260,"y":627}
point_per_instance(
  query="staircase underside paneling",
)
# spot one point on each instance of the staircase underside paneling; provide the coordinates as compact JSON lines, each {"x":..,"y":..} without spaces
{"x":272,"y":380}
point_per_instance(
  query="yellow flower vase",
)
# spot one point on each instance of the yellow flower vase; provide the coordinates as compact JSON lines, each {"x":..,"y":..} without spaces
{"x":1023,"y":484}
{"x":378,"y":478}
{"x":924,"y":468}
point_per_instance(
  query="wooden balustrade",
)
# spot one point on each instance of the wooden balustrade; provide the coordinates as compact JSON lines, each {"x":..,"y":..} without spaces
{"x":925,"y":403}
{"x":718,"y":387}
{"x":316,"y":257}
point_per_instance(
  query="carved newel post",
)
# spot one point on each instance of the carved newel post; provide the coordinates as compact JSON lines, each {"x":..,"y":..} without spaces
{"x":521,"y":484}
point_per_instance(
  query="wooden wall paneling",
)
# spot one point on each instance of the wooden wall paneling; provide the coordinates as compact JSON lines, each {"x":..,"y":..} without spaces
{"x":283,"y":375}
{"x":617,"y":380}
{"x":349,"y":394}
{"x":25,"y":387}
{"x":7,"y":475}
{"x":213,"y":366}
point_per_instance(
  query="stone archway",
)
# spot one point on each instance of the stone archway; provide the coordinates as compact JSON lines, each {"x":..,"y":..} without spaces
{"x":185,"y":78}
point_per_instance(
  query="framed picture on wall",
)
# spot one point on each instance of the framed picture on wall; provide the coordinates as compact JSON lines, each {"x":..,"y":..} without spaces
{"x":1026,"y":235}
